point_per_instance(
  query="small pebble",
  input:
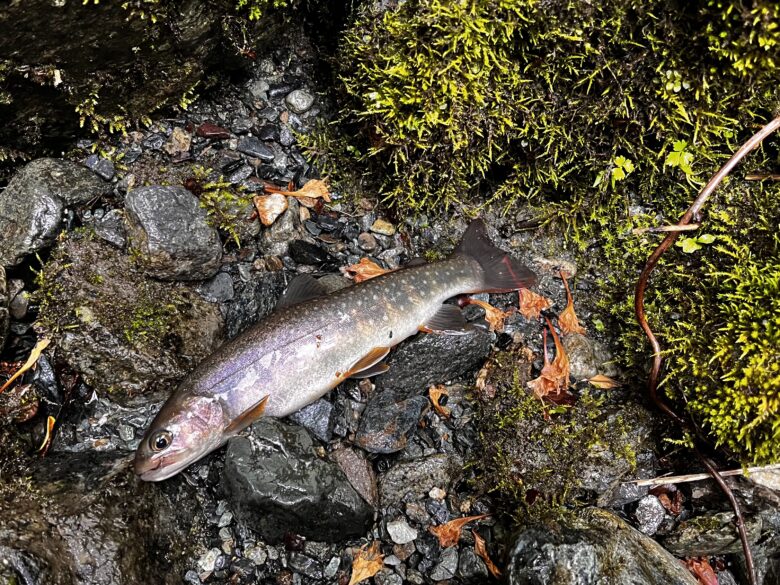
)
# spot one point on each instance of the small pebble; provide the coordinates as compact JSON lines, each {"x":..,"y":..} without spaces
{"x":299,"y":100}
{"x":208,"y":560}
{"x":400,"y":532}
{"x":225,"y":519}
{"x":332,"y":567}
{"x":383,"y":227}
{"x":367,"y":242}
{"x":437,"y":493}
{"x":256,"y":554}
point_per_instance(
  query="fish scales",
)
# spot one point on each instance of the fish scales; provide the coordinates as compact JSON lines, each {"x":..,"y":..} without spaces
{"x":301,"y":351}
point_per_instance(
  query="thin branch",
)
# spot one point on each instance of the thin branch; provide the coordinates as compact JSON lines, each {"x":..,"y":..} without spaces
{"x":639,"y":306}
{"x":666,"y":228}
{"x":689,"y":477}
{"x":762,"y":177}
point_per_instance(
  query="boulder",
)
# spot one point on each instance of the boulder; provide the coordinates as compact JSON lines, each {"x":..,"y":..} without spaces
{"x":170,"y":235}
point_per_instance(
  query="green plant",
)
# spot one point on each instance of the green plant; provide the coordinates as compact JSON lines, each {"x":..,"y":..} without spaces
{"x":225,"y":204}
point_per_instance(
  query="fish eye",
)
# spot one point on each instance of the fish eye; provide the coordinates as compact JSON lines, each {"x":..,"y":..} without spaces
{"x":160,"y":440}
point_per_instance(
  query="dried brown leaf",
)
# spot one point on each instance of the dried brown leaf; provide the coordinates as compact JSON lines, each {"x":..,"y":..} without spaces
{"x":269,"y":207}
{"x":568,"y":318}
{"x":605,"y":382}
{"x":702,"y":570}
{"x":495,"y":317}
{"x":532,"y":304}
{"x":554,"y":378}
{"x":435,"y":393}
{"x":449,"y":533}
{"x":34,"y":355}
{"x":481,"y":550}
{"x":365,"y":270}
{"x":367,"y":563}
{"x":314,"y":189}
{"x":50,"y":422}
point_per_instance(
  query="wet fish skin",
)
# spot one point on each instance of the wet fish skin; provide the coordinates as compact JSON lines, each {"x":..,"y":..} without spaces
{"x":302,"y":351}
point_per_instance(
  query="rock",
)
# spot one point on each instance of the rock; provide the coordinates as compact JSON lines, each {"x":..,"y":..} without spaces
{"x":31,"y":205}
{"x":359,"y":472}
{"x":414,"y":479}
{"x":710,"y":535}
{"x":315,"y":417}
{"x":383,"y":227}
{"x":254,"y":147}
{"x":386,"y":428}
{"x":253,"y":300}
{"x":208,"y":560}
{"x":217,"y":290}
{"x":367,"y":242}
{"x":447,"y":565}
{"x":470,"y":567}
{"x":597,"y":547}
{"x":400,"y":532}
{"x":305,"y":565}
{"x":277,"y":484}
{"x":124,"y":332}
{"x":587,"y":357}
{"x":299,"y":101}
{"x":170,"y":234}
{"x":111,"y":227}
{"x":268,"y":133}
{"x":18,"y":306}
{"x":102,"y":167}
{"x":4,"y":317}
{"x":57,"y":528}
{"x":304,"y":252}
{"x":212,"y":131}
{"x":649,"y":514}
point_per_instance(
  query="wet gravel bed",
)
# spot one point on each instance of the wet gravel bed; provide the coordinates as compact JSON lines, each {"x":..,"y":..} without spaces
{"x":290,"y":501}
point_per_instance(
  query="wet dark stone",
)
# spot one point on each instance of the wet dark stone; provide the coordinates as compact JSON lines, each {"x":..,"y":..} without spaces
{"x":267,"y":133}
{"x":170,"y":234}
{"x":386,"y":427}
{"x":252,"y":146}
{"x":711,"y":535}
{"x":597,"y":547}
{"x":304,"y":252}
{"x":31,"y":205}
{"x":219,"y":289}
{"x":102,"y":167}
{"x":359,"y":472}
{"x":279,"y":90}
{"x":212,"y":131}
{"x":275,"y":481}
{"x":471,"y":568}
{"x":412,"y":480}
{"x":316,"y":418}
{"x":133,"y":152}
{"x":154,"y":142}
{"x":111,"y":228}
{"x":305,"y":565}
{"x":240,"y":173}
{"x":252,"y":301}
{"x":327,"y":223}
{"x":63,"y":531}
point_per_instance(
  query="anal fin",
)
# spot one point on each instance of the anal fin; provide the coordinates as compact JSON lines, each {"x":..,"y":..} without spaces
{"x":368,"y":362}
{"x":375,"y":370}
{"x":448,"y":319}
{"x":247,"y":417}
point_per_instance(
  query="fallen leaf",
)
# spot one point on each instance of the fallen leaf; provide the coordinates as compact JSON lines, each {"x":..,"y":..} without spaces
{"x":365,"y":270}
{"x":702,"y":570}
{"x":367,"y":564}
{"x":568,"y":319}
{"x":34,"y":355}
{"x":481,"y":550}
{"x":50,"y":422}
{"x":435,"y":393}
{"x":269,"y":207}
{"x":605,"y":382}
{"x":532,"y":304}
{"x":314,"y":189}
{"x":554,"y":377}
{"x":495,"y":317}
{"x":449,"y":533}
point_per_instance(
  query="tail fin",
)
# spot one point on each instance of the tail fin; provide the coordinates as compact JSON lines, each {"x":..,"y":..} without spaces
{"x":501,"y":272}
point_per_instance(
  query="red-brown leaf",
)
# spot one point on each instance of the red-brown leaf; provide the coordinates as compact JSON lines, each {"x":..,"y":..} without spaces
{"x":481,"y":550}
{"x":554,"y":377}
{"x":449,"y":533}
{"x":367,"y":564}
{"x":702,"y":570}
{"x":532,"y":304}
{"x":568,"y":318}
{"x":435,"y":393}
{"x":494,"y":316}
{"x":365,"y":270}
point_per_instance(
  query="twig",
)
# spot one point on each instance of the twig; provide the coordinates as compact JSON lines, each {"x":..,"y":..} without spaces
{"x":672,"y":479}
{"x":762,"y":177}
{"x":639,"y":306}
{"x":666,"y":228}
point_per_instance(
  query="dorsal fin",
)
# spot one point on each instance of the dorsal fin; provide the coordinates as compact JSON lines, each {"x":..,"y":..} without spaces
{"x":448,"y":319}
{"x":247,"y":417}
{"x":301,"y":288}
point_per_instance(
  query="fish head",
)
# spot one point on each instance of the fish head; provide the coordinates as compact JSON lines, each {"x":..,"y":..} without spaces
{"x":186,"y":428}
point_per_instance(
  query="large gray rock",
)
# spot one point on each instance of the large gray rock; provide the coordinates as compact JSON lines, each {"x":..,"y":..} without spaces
{"x":124,"y":332}
{"x":276,"y":484}
{"x":597,"y":548}
{"x":3,"y":308}
{"x":711,"y":535}
{"x":31,"y":206}
{"x":170,"y":235}
{"x":58,"y":528}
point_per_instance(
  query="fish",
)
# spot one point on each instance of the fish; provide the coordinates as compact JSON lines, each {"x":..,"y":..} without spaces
{"x":312,"y":342}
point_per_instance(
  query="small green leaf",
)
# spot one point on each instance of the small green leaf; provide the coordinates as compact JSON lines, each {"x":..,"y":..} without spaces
{"x":706,"y":239}
{"x":688,"y":245}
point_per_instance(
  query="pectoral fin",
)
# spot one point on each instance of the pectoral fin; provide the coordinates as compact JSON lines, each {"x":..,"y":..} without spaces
{"x":367,"y":363}
{"x":374,"y":370}
{"x":247,"y":417}
{"x":448,"y":319}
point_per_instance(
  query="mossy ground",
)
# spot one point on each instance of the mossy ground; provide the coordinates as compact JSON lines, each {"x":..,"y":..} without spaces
{"x":597,"y":119}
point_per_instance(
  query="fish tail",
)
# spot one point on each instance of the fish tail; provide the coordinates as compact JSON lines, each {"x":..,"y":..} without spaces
{"x":500,"y":272}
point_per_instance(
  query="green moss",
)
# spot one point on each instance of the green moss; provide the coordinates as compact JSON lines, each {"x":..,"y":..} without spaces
{"x":225,"y":204}
{"x":534,"y":456}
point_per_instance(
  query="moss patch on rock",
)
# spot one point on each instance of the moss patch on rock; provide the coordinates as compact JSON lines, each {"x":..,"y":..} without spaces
{"x":123,"y":332}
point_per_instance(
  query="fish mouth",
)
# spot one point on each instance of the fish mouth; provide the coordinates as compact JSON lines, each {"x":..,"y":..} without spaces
{"x":146,"y":469}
